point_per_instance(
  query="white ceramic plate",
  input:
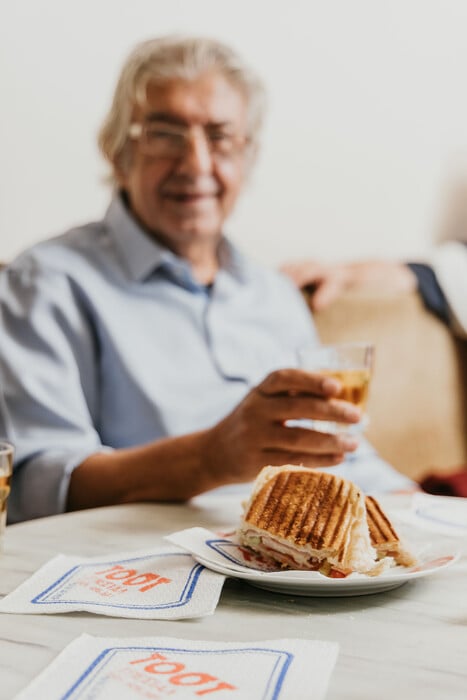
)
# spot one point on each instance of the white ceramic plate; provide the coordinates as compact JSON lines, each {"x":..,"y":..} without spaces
{"x":312,"y":583}
{"x":222,"y":553}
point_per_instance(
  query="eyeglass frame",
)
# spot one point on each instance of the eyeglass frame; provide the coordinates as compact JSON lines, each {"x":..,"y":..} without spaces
{"x":138,"y":131}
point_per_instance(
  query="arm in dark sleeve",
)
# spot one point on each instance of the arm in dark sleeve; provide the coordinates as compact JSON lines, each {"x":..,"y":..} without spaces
{"x":430,"y":291}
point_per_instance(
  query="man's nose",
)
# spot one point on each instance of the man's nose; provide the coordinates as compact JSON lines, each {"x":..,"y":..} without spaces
{"x":197,"y":158}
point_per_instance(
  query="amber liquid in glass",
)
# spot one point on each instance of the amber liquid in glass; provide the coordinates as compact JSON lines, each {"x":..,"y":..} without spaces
{"x":355,"y":384}
{"x":6,"y":469}
{"x":5,"y":480}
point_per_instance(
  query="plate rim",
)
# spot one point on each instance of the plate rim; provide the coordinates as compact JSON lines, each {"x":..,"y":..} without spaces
{"x":371,"y":582}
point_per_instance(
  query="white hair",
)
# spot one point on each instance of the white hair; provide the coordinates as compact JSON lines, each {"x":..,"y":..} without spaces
{"x":165,"y":58}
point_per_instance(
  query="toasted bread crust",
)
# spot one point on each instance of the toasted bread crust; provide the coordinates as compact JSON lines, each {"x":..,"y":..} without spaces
{"x":383,"y":537}
{"x":381,"y":530}
{"x":305,"y":508}
{"x":303,"y":518}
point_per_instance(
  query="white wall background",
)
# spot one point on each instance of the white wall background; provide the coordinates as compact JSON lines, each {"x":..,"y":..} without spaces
{"x":367,"y":120}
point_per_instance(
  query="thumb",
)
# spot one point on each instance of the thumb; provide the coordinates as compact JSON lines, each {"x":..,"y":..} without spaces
{"x":327,"y":292}
{"x":303,"y":274}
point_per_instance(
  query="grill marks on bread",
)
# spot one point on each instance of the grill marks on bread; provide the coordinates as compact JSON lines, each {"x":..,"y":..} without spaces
{"x":305,"y":508}
{"x":381,"y":530}
{"x":383,"y":536}
{"x":306,"y":519}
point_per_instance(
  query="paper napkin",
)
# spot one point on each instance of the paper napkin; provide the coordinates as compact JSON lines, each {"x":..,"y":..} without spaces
{"x":217,"y":549}
{"x":224,"y":554}
{"x":157,"y":584}
{"x":443,"y":515}
{"x":163,"y":667}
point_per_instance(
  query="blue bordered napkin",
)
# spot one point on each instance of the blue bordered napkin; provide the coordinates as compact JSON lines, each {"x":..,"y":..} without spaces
{"x":157,"y":584}
{"x":164,"y":667}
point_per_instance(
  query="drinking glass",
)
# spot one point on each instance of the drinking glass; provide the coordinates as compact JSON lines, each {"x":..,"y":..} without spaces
{"x":352,"y":365}
{"x":6,"y":470}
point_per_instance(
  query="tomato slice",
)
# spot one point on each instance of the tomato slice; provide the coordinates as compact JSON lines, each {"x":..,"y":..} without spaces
{"x":335,"y":573}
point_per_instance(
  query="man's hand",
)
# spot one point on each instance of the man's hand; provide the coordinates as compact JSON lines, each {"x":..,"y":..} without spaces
{"x":330,"y":281}
{"x":255,"y":434}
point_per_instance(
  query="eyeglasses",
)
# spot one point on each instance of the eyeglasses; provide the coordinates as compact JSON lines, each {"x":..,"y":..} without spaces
{"x":162,"y":140}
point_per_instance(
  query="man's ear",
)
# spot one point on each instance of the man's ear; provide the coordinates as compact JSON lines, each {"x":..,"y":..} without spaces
{"x":121,"y":166}
{"x":121,"y":178}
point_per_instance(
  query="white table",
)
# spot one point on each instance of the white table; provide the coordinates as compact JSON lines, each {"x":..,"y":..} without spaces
{"x":410,"y":642}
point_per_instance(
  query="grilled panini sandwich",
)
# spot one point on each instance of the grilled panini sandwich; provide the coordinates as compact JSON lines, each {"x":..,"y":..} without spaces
{"x":383,"y":537}
{"x":306,"y":519}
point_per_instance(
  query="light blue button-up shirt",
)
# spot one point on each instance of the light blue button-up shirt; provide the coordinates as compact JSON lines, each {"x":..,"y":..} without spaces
{"x":108,"y":342}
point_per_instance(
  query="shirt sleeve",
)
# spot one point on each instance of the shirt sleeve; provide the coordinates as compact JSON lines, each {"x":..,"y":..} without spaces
{"x":449,"y":264}
{"x":430,"y":291}
{"x":48,"y":383}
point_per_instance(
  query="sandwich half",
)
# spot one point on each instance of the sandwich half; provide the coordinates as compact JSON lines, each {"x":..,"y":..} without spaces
{"x":383,"y":537}
{"x":305,"y":519}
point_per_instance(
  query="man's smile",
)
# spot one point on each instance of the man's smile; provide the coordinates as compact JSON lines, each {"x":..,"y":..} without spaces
{"x":189,"y":196}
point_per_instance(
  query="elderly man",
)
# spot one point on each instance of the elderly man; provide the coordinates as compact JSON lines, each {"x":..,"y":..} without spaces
{"x":143,"y":356}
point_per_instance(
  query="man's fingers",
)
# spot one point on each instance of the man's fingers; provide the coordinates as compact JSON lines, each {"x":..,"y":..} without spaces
{"x":326,"y":293}
{"x":310,"y":441}
{"x":276,"y":458}
{"x":283,"y":408}
{"x":287,"y":381}
{"x":304,"y":273}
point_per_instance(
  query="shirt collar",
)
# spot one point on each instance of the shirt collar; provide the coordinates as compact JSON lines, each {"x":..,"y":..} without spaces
{"x":143,"y":255}
{"x":140,"y":254}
